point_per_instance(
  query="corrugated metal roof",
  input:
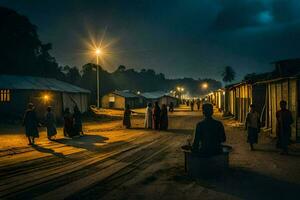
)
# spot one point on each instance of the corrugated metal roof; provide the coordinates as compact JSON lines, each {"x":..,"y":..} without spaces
{"x":38,"y":83}
{"x":125,"y":94}
{"x":154,"y":95}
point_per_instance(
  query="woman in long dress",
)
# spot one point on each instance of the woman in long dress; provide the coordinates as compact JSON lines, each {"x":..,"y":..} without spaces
{"x":31,"y":124}
{"x":50,"y":123}
{"x":252,"y":126}
{"x":68,"y":123}
{"x":77,"y":121}
{"x":127,"y":116}
{"x":164,"y":122}
{"x":156,"y":116}
{"x":148,"y":116}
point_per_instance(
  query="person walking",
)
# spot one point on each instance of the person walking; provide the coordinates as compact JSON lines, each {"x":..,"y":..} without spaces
{"x":252,"y":125}
{"x":283,"y":128}
{"x":148,"y":116}
{"x":31,"y":124}
{"x":198,"y":104}
{"x":156,"y":116}
{"x":164,"y":118}
{"x":77,"y":121}
{"x":50,"y":124}
{"x":127,"y":116}
{"x":192,"y":105}
{"x":68,"y":123}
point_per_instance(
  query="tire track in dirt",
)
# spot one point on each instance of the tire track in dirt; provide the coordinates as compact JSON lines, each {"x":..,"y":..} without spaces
{"x":32,"y":179}
{"x":92,"y":174}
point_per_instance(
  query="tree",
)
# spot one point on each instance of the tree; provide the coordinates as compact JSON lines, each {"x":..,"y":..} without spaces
{"x":72,"y":75}
{"x":121,"y":68}
{"x":21,"y":51}
{"x":228,"y":74}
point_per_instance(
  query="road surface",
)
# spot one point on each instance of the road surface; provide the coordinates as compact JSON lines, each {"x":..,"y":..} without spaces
{"x":111,"y":162}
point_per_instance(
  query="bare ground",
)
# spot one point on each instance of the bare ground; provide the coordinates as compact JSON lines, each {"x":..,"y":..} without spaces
{"x":114,"y":163}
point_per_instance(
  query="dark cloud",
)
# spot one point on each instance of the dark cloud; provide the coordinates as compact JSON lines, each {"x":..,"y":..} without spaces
{"x":285,"y":10}
{"x":235,"y":14}
{"x":238,"y":14}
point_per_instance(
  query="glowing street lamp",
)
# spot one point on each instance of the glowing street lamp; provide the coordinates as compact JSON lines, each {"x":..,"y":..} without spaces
{"x":204,"y":86}
{"x":98,"y":52}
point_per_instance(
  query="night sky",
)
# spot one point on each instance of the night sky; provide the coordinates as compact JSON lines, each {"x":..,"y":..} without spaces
{"x":181,"y":38}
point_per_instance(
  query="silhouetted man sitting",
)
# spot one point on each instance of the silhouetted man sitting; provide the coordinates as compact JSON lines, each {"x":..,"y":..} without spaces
{"x":209,"y":134}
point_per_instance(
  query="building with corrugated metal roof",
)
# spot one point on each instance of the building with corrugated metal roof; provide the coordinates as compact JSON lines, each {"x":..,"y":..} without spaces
{"x":17,"y":91}
{"x":159,"y":96}
{"x":118,"y":100}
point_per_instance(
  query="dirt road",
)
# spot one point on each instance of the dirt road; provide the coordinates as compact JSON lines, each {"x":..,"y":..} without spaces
{"x":114,"y":163}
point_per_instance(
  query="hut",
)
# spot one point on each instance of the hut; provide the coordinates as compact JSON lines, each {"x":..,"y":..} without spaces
{"x":118,"y":100}
{"x":160,"y":97}
{"x":17,"y":91}
{"x":283,"y":86}
{"x":240,"y":96}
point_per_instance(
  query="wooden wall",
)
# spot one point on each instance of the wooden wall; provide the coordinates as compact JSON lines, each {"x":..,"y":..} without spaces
{"x":287,"y":90}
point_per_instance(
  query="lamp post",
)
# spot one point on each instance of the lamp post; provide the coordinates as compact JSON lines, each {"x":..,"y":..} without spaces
{"x":98,"y":52}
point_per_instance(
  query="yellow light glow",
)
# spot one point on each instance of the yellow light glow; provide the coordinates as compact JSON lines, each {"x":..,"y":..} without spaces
{"x":98,"y":51}
{"x":182,"y":89}
{"x":178,"y":88}
{"x":46,"y":97}
{"x":204,"y":86}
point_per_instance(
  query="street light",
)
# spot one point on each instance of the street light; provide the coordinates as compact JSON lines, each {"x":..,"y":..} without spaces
{"x":204,"y":86}
{"x":98,"y":53}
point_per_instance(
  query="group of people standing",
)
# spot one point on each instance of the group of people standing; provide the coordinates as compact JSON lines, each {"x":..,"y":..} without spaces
{"x":72,"y":123}
{"x":155,"y":117}
{"x":283,"y":128}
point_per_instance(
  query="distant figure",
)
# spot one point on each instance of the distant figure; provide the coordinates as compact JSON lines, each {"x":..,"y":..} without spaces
{"x":171,"y":107}
{"x":77,"y":121}
{"x":192,"y":105}
{"x":209,"y":134}
{"x":283,"y":129}
{"x":252,"y":126}
{"x":164,"y":118}
{"x":50,"y":124}
{"x":148,"y":116}
{"x":127,"y":116}
{"x":188,"y":103}
{"x":198,"y":102}
{"x":156,"y":116}
{"x":31,"y":124}
{"x":68,"y":123}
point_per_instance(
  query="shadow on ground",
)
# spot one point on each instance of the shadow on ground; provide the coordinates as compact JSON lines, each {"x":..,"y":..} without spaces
{"x":46,"y":150}
{"x":88,"y":142}
{"x":246,"y":184}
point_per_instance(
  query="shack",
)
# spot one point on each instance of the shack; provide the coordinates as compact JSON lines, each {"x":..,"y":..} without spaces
{"x":160,"y":97}
{"x":17,"y":91}
{"x":240,"y":96}
{"x":284,"y":86}
{"x":118,"y":100}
